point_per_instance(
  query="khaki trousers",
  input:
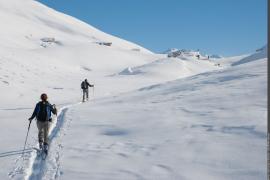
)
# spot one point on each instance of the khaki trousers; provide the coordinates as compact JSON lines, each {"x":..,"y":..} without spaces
{"x":43,"y":131}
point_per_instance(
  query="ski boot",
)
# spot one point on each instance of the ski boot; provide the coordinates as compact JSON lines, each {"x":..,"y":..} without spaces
{"x":45,"y":148}
{"x":40,"y":145}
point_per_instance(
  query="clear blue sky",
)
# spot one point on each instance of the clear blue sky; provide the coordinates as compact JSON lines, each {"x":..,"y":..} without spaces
{"x":227,"y":27}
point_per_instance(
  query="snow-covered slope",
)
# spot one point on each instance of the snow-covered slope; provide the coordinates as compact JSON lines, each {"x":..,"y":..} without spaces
{"x":207,"y":126}
{"x":30,"y":66}
{"x":159,"y":129}
{"x":169,"y":69}
{"x":261,"y":53}
{"x":26,"y":22}
{"x":42,"y":50}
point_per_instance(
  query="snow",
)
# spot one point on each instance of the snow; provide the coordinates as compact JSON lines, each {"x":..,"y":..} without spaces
{"x":169,"y":69}
{"x":205,"y":126}
{"x":262,"y":53}
{"x":149,"y":116}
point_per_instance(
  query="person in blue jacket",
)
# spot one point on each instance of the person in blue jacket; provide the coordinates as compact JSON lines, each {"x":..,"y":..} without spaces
{"x":43,"y":112}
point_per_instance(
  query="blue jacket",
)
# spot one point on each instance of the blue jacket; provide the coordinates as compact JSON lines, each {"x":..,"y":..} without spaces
{"x":49,"y":109}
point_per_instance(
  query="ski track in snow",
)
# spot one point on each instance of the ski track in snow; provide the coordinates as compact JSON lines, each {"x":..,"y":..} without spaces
{"x":33,"y":167}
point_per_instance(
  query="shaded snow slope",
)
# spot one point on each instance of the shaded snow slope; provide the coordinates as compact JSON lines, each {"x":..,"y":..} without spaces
{"x":228,"y":61}
{"x":261,"y":53}
{"x":207,"y":126}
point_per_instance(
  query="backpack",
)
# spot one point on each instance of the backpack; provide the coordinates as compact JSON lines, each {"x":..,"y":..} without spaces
{"x":42,"y":112}
{"x":83,"y":85}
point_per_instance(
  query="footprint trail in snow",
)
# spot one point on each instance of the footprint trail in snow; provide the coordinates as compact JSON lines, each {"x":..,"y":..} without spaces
{"x":32,"y":166}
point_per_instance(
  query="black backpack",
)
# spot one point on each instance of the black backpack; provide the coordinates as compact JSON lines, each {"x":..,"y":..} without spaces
{"x":42,"y":113}
{"x":83,"y":85}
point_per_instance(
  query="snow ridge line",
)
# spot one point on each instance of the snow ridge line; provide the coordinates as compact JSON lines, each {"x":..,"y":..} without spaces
{"x":36,"y":166}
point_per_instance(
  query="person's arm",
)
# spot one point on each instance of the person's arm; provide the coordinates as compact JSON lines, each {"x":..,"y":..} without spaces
{"x":34,"y":113}
{"x":53,"y":109}
{"x":90,"y":85}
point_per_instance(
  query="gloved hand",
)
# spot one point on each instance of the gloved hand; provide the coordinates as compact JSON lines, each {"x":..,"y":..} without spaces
{"x":30,"y":119}
{"x":50,"y":120}
{"x":54,"y":109}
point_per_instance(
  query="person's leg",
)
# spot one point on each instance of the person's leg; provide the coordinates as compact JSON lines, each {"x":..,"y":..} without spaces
{"x":40,"y":133}
{"x":46,"y":133}
{"x":83,"y":95}
{"x":87,"y":93}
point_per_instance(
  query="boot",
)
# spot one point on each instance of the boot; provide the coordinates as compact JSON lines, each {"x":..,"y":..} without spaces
{"x":40,"y":145}
{"x":46,"y":147}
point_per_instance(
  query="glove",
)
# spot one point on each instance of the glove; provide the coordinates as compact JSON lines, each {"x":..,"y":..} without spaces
{"x":54,"y":109}
{"x":50,"y":120}
{"x":30,"y":119}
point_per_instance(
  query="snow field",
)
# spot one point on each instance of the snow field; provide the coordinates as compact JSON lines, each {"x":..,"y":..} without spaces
{"x":150,"y":117}
{"x":204,"y":126}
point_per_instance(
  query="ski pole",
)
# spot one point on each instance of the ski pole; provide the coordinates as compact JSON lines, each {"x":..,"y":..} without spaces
{"x":26,"y":137}
{"x":93,"y":92}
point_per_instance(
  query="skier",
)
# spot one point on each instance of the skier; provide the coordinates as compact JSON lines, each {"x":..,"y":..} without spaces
{"x":84,"y":86}
{"x":42,"y":113}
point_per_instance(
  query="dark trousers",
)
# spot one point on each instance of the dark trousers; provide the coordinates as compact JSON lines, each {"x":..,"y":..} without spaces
{"x":85,"y":94}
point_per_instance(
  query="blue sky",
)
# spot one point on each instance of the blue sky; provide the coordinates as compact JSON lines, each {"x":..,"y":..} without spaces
{"x":227,"y":27}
